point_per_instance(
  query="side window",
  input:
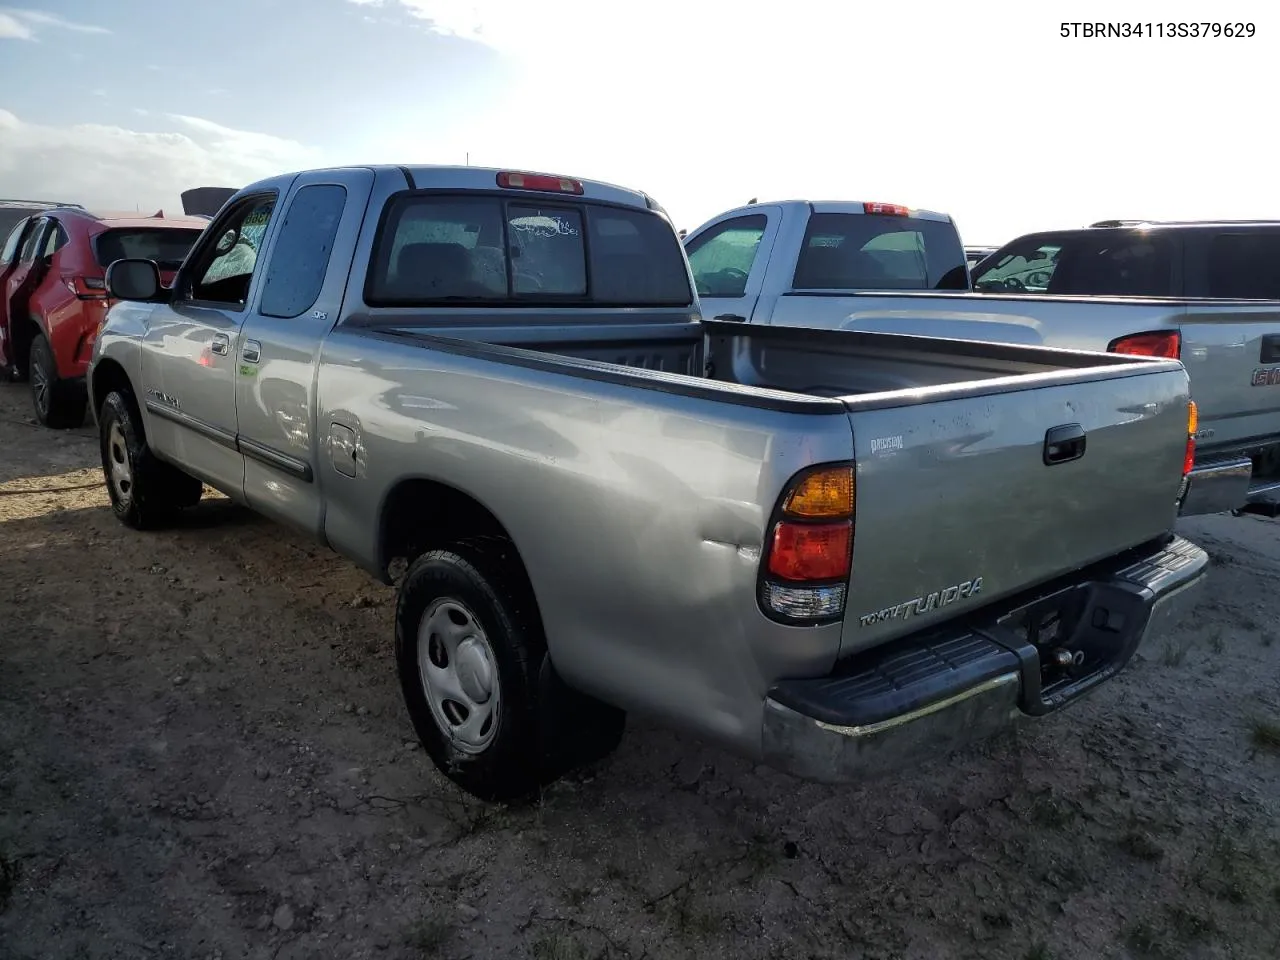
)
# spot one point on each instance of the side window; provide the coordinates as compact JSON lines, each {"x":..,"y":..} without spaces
{"x":547,"y":253}
{"x":223,"y":271}
{"x":721,"y":258}
{"x":1020,"y":269}
{"x":1115,"y":264}
{"x":300,"y":257}
{"x":55,"y":240}
{"x":10,"y":248}
{"x":1244,"y":266}
{"x":33,"y":239}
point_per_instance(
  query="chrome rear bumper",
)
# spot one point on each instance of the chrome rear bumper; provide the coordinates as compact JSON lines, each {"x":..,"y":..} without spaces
{"x":1217,"y":486}
{"x":924,"y":697}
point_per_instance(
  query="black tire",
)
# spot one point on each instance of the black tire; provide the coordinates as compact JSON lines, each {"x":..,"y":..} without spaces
{"x":149,"y":492}
{"x":542,"y":728}
{"x":58,"y":404}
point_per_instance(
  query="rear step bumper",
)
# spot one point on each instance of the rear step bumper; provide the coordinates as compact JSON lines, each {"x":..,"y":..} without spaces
{"x":930,"y":694}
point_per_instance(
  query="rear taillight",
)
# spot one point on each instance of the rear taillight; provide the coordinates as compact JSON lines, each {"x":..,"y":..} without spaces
{"x":809,"y":549}
{"x":1193,"y":427}
{"x":1160,"y":343}
{"x":886,"y":209}
{"x":88,"y":288}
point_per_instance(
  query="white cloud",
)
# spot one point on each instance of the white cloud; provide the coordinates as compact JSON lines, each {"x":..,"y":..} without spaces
{"x":11,"y":28}
{"x":116,"y":168}
{"x":27,"y":22}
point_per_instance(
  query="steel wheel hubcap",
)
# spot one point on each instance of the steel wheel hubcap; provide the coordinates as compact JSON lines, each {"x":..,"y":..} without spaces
{"x":118,"y":467}
{"x":459,"y":675}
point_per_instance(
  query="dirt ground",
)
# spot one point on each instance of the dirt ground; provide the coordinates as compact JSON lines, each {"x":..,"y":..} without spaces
{"x":203,"y":754}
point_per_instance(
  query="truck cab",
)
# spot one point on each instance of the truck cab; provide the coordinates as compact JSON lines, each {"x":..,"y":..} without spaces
{"x":747,"y":261}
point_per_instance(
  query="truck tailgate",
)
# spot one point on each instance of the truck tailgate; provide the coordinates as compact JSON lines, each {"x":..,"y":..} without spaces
{"x":1232,"y":352}
{"x":956,"y":505}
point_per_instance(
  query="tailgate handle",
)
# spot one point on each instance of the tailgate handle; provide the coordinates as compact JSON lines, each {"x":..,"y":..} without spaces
{"x":1270,"y":352}
{"x":1063,"y":444}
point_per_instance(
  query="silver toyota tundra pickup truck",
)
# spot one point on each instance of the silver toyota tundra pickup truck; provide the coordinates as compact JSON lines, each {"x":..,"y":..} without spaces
{"x":832,"y":552}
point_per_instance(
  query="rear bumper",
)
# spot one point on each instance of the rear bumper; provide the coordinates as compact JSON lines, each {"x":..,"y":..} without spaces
{"x":1217,"y":486}
{"x":928,"y":695}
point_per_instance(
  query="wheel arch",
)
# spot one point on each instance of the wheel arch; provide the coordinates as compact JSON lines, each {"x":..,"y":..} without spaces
{"x":420,"y":514}
{"x":109,"y":375}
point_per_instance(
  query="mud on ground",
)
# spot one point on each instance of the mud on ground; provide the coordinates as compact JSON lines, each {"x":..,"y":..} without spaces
{"x":203,"y":754}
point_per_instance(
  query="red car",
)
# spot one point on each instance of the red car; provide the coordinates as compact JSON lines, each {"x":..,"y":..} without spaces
{"x":53,"y":295}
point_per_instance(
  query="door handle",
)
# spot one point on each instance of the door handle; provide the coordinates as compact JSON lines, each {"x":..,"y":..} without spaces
{"x":730,"y":318}
{"x":252,"y":351}
{"x":1064,"y":444}
{"x":221,"y":344}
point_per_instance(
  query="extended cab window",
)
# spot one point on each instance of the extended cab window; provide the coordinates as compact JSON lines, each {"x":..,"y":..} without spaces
{"x":300,"y":257}
{"x":435,"y":248}
{"x":225,"y":267}
{"x":1091,"y":263}
{"x":851,"y":251}
{"x":721,"y":259}
{"x":1244,"y":266}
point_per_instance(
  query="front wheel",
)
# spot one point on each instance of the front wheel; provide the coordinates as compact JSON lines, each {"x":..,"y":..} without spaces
{"x":144,"y":492}
{"x":473,"y":667}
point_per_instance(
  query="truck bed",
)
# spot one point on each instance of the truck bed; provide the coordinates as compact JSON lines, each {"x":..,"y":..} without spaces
{"x":949,"y":439}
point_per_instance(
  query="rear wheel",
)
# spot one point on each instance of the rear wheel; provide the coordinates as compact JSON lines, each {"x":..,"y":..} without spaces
{"x":145,"y":492}
{"x":58,"y":404}
{"x":476,"y":678}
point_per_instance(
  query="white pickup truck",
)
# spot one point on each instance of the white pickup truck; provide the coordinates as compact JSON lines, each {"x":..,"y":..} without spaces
{"x":1207,"y":294}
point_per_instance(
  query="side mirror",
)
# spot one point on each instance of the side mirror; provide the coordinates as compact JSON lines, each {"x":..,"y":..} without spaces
{"x":134,"y":280}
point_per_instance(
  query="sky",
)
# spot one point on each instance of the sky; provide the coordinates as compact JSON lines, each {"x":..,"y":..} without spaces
{"x":980,"y":110}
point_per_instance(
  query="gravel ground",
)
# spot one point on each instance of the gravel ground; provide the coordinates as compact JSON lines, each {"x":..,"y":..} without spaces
{"x":203,"y":754}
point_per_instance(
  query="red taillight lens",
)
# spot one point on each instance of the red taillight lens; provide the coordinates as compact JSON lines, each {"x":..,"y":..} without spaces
{"x":811,"y":551}
{"x":87,"y":288}
{"x":539,"y":181}
{"x":1162,"y":343}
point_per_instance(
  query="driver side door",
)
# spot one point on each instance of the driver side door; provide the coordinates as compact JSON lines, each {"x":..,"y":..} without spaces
{"x":191,"y":346}
{"x":727,"y":263}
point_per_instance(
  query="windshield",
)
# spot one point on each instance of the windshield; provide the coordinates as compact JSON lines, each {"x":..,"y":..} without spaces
{"x":167,"y":247}
{"x":850,"y":251}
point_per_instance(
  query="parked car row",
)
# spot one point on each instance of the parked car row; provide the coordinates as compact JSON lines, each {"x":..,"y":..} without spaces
{"x":1207,"y":294}
{"x":608,"y":476}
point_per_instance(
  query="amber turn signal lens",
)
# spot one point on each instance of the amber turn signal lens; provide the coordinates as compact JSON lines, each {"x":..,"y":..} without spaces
{"x":1193,"y":417}
{"x":823,"y":493}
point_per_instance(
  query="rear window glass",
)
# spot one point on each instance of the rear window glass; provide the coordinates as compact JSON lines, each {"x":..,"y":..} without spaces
{"x":168,"y":248}
{"x":1110,"y":263}
{"x":490,"y":249}
{"x":1245,"y":266}
{"x":849,"y":251}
